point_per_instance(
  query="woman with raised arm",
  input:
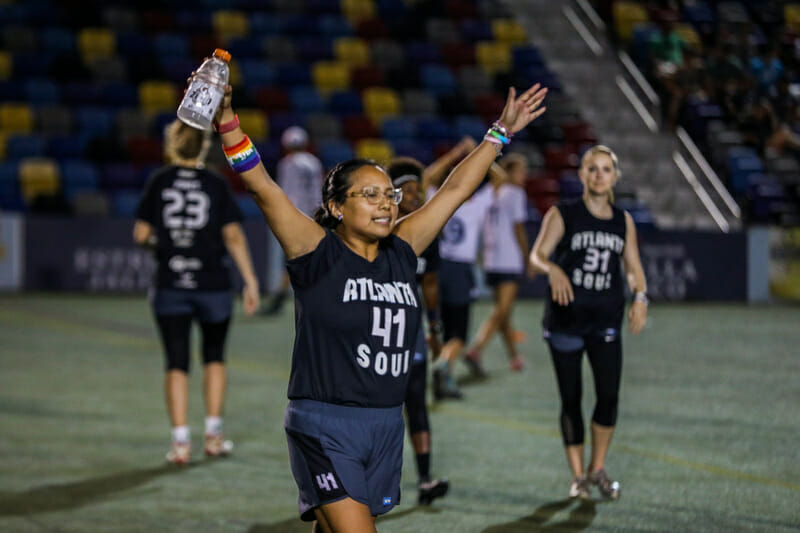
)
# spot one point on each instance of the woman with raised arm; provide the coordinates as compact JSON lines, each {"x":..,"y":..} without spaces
{"x":353,"y":270}
{"x":589,"y":240}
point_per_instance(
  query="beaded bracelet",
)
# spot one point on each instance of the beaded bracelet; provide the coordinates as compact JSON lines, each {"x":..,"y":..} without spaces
{"x":228,"y":126}
{"x":498,"y":135}
{"x":242,"y":156}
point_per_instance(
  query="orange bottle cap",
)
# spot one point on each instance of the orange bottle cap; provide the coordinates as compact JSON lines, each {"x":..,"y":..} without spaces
{"x":222,"y":54}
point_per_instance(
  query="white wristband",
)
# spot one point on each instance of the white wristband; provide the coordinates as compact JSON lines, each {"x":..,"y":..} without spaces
{"x":641,"y":296}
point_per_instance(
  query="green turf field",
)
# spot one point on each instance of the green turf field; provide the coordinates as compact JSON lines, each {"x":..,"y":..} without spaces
{"x":708,"y":436}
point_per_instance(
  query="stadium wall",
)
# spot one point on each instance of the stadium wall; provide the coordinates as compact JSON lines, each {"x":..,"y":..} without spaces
{"x":98,"y":255}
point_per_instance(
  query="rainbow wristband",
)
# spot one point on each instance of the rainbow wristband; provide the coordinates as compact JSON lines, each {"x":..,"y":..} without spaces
{"x":242,"y":156}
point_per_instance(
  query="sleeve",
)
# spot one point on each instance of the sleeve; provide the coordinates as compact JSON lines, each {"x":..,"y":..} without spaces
{"x":229,"y":209}
{"x":147,"y":209}
{"x":306,"y":270}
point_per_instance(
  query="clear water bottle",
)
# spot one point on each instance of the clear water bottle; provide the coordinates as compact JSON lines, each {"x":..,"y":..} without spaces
{"x":204,"y":95}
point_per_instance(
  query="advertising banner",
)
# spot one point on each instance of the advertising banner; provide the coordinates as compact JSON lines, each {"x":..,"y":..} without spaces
{"x":784,"y":254}
{"x":11,"y":237}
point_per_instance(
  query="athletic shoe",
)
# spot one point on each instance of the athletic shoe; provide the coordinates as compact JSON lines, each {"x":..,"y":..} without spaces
{"x":217,"y":446}
{"x":430,"y":490}
{"x":607,"y":487}
{"x":473,"y":361}
{"x":179,"y":453}
{"x":444,"y":386}
{"x":517,"y":364}
{"x":579,"y":488}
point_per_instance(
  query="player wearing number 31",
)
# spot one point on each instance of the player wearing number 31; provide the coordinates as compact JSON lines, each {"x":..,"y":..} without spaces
{"x":353,"y":270}
{"x":589,"y":240}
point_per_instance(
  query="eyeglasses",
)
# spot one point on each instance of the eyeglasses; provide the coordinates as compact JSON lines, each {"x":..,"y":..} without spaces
{"x":373,"y":195}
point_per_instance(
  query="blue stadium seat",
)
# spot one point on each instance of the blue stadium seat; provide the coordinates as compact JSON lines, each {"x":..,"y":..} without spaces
{"x":119,"y":176}
{"x":437,"y":79}
{"x":389,"y":9}
{"x":57,"y":40}
{"x":470,"y":125}
{"x":324,"y":7}
{"x":332,"y":152}
{"x":422,"y":151}
{"x":293,"y":74}
{"x":245,"y":47}
{"x":68,"y":146}
{"x":435,"y":129}
{"x":171,"y":45}
{"x":125,"y":203}
{"x":396,"y":128}
{"x":78,"y":176}
{"x":312,"y":49}
{"x":345,"y":103}
{"x":475,"y":30}
{"x":120,"y":94}
{"x":306,"y":99}
{"x":94,"y":120}
{"x":257,"y":73}
{"x":19,"y":146}
{"x":41,"y":91}
{"x":334,"y":26}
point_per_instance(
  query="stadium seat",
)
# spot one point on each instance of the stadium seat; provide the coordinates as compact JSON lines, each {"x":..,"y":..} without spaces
{"x":422,"y":52}
{"x":508,"y":31}
{"x":120,"y":18}
{"x":460,"y":9}
{"x":96,"y":43}
{"x":256,"y":72}
{"x":376,"y":149}
{"x":254,"y":122}
{"x":117,"y":176}
{"x":305,"y":99}
{"x":279,"y":49}
{"x":311,"y":49}
{"x":54,"y":120}
{"x":6,"y":65}
{"x":356,"y":10}
{"x":396,"y":128}
{"x":438,"y":79}
{"x":417,"y":102}
{"x":458,"y":55}
{"x":19,"y":146}
{"x":345,"y":103}
{"x":333,"y":25}
{"x":16,"y":118}
{"x":475,"y":30}
{"x":90,"y":204}
{"x":387,"y":54}
{"x":435,"y":129}
{"x":293,"y":74}
{"x":380,"y":102}
{"x":94,"y":120}
{"x":421,"y":151}
{"x":470,"y":126}
{"x":791,"y":14}
{"x":279,"y":122}
{"x":489,"y":106}
{"x":18,"y":39}
{"x":78,"y":176}
{"x":364,"y":77}
{"x":333,"y":152}
{"x":330,"y":76}
{"x":156,"y":21}
{"x":358,"y":127}
{"x":38,"y":177}
{"x":157,"y":96}
{"x":351,"y":51}
{"x":125,"y":202}
{"x":442,"y":31}
{"x":230,"y":23}
{"x":493,"y":56}
{"x":10,"y":196}
{"x":473,"y":80}
{"x":144,"y":150}
{"x":57,"y":40}
{"x":390,"y":9}
{"x":122,"y":95}
{"x":323,"y":127}
{"x":626,"y":15}
{"x":371,"y":29}
{"x":74,"y":145}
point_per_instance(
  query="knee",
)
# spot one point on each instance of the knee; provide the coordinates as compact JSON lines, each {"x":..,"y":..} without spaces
{"x":177,"y":362}
{"x":605,"y":412}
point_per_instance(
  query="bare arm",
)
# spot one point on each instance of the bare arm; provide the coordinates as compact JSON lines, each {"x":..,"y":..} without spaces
{"x":143,"y":233}
{"x":236,"y":243}
{"x":430,"y":294}
{"x":434,"y":174}
{"x":550,"y":234}
{"x":296,"y":232}
{"x":522,"y":237}
{"x":421,"y":227}
{"x":637,"y":315}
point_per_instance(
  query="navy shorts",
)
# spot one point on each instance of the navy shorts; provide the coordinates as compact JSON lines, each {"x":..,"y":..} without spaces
{"x":456,"y":282}
{"x":206,"y":306}
{"x":493,"y":279}
{"x":338,"y":451}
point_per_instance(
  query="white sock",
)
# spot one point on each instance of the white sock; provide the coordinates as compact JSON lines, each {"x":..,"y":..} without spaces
{"x":213,"y":425}
{"x":181,"y":434}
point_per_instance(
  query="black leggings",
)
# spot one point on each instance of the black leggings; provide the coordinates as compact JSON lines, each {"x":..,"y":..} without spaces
{"x":416,"y":409}
{"x":605,"y":358}
{"x":176,"y":337}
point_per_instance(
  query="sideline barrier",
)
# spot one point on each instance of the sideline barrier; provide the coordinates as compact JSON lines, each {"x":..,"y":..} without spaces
{"x":97,"y":255}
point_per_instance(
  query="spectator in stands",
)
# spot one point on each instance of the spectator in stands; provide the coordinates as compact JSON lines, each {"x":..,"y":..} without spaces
{"x":767,"y":68}
{"x":300,"y":177}
{"x":666,"y":49}
{"x":353,"y":269}
{"x":581,"y":247}
{"x":190,"y":218}
{"x":505,"y":249}
{"x":762,"y":130}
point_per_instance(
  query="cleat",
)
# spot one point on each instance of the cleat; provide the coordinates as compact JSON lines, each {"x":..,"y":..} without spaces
{"x":179,"y":453}
{"x":608,"y":487}
{"x":444,"y":386}
{"x":517,"y":364}
{"x":473,"y":361}
{"x":217,"y":446}
{"x":579,"y":488}
{"x":430,"y":490}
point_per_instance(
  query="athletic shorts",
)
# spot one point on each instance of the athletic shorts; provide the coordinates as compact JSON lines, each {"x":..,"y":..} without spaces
{"x":456,"y":282}
{"x":206,"y":306}
{"x":338,"y":451}
{"x":455,"y":321}
{"x":493,"y":279}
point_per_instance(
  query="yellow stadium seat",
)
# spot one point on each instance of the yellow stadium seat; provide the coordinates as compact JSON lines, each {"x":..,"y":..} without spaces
{"x":235,"y":77}
{"x":16,"y":118}
{"x":509,"y":31}
{"x":230,"y":23}
{"x":330,"y":76}
{"x":626,"y":15}
{"x":157,"y":96}
{"x":380,"y":102}
{"x":38,"y":176}
{"x":376,"y":149}
{"x":254,"y":122}
{"x":96,"y":43}
{"x":688,"y":34}
{"x":351,"y":51}
{"x":357,"y":10}
{"x":791,"y":14}
{"x":493,"y":56}
{"x":6,"y":65}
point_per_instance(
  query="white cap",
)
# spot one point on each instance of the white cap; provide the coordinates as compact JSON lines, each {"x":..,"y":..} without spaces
{"x":294,"y":137}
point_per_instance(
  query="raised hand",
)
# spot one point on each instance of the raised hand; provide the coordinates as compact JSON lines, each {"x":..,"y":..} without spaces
{"x":519,"y":112}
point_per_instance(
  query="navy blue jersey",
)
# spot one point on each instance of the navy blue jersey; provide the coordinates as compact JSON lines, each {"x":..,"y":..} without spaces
{"x":429,"y":260}
{"x":188,"y":208}
{"x":590,"y":253}
{"x":355,"y":323}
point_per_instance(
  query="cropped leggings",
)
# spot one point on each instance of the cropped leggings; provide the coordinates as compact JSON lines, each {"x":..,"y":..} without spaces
{"x":605,"y":359}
